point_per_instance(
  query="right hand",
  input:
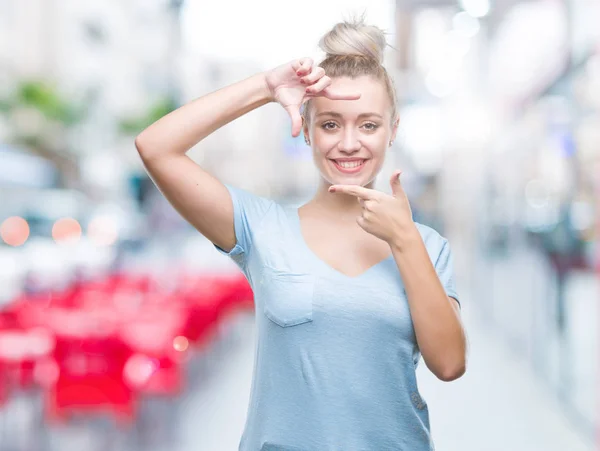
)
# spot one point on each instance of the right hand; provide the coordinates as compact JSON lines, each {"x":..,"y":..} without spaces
{"x":293,"y":83}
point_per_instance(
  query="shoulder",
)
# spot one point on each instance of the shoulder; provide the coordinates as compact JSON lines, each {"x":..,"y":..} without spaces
{"x":254,"y":208}
{"x":248,"y":205}
{"x":435,"y":242}
{"x":248,"y":198}
{"x":430,"y":235}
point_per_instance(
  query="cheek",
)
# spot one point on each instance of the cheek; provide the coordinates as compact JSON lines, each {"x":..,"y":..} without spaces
{"x":319,"y":155}
{"x":322,"y":139}
{"x":377,"y":145}
{"x":379,"y":154}
{"x":323,"y":144}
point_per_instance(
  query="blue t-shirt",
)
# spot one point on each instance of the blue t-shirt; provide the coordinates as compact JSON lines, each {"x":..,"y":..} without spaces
{"x":336,"y":355}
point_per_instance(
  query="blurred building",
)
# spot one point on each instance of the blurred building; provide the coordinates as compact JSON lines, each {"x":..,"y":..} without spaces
{"x":501,"y":103}
{"x":123,"y":50}
{"x":114,"y":60}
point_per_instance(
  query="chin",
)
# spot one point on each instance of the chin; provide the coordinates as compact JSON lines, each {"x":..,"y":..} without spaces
{"x":358,"y":180}
{"x":349,"y":181}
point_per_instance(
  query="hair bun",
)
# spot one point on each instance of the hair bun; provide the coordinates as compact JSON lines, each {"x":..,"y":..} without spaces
{"x":354,"y":38}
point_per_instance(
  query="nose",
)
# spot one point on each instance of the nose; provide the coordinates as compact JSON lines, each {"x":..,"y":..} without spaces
{"x":349,"y":142}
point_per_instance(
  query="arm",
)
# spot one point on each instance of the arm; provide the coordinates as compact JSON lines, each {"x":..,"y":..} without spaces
{"x":440,"y":334}
{"x":198,"y":196}
{"x":435,"y":316}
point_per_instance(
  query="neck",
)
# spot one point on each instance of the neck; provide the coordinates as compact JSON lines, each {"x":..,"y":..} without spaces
{"x":341,"y":206}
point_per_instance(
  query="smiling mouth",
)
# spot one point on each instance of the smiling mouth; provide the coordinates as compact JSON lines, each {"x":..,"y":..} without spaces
{"x":354,"y":165}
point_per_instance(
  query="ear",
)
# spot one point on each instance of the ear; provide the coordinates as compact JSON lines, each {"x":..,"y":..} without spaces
{"x":305,"y":130}
{"x":395,"y":128}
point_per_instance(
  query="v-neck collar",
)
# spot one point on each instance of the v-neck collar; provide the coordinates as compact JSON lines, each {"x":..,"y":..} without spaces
{"x":294,"y":214}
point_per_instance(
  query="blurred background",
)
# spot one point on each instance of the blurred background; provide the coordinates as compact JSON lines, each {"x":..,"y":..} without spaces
{"x":121,"y":328}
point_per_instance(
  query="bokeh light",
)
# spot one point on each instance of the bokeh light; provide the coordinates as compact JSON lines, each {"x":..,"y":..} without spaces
{"x":180,"y":343}
{"x":138,"y":369}
{"x":102,"y":230}
{"x":14,"y":231}
{"x":66,"y":230}
{"x":476,"y":8}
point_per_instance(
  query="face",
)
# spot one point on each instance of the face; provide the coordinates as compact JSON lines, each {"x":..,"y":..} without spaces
{"x":350,"y":138}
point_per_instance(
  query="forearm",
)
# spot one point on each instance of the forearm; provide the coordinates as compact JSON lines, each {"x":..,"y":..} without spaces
{"x":438,"y":328}
{"x":180,"y":130}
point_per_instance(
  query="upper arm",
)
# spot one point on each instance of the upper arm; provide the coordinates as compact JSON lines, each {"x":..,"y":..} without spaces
{"x":197,"y":196}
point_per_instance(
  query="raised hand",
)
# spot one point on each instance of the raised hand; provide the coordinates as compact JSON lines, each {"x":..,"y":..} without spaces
{"x":293,"y":83}
{"x":388,"y":217}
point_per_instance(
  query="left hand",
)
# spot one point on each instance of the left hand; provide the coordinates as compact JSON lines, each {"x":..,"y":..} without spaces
{"x":388,"y":217}
{"x":291,"y":84}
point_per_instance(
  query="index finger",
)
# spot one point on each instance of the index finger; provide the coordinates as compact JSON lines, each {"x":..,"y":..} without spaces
{"x":353,"y":190}
{"x":302,"y":65}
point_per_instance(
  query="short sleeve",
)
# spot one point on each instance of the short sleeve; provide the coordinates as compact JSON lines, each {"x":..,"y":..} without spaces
{"x":444,"y":267}
{"x":248,"y":212}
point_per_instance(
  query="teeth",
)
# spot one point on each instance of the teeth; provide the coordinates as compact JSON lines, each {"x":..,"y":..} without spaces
{"x":350,"y":164}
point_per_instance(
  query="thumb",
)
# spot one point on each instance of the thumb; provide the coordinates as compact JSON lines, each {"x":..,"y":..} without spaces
{"x":294,"y":112}
{"x":395,"y":183}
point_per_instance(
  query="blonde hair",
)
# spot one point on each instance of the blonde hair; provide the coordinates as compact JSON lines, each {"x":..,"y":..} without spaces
{"x":354,"y":49}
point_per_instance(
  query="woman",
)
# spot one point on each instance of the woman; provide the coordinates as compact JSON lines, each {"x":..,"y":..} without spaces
{"x":348,"y":294}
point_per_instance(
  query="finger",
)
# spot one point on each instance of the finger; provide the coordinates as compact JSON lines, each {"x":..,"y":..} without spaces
{"x":294,"y":113}
{"x":334,"y":94}
{"x":319,"y":86}
{"x":316,"y":74}
{"x":297,"y":64}
{"x":304,"y":66}
{"x":353,"y":190}
{"x":395,"y":183}
{"x":362,"y":222}
{"x":368,"y":204}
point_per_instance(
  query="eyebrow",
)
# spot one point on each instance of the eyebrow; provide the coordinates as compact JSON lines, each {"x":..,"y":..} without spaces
{"x":334,"y":114}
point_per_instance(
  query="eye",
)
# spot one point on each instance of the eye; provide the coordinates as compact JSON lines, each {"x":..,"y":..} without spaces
{"x":371,"y":126}
{"x":328,"y":125}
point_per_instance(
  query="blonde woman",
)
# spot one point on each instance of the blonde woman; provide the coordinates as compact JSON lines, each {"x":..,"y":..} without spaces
{"x":350,"y":292}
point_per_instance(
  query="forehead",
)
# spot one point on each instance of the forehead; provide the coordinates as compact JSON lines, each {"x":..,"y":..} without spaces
{"x":374,"y":97}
